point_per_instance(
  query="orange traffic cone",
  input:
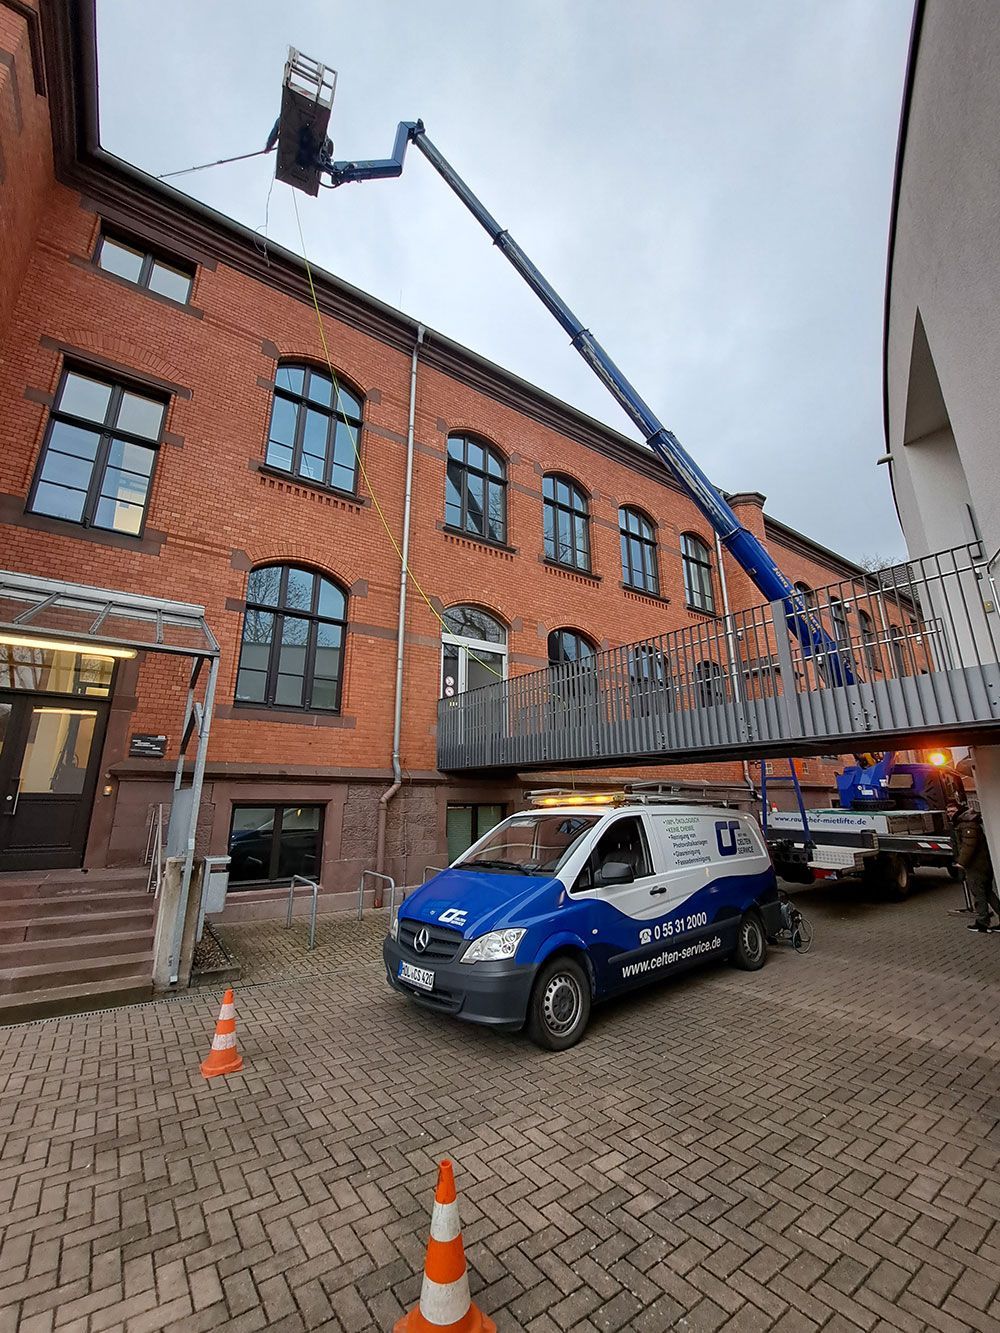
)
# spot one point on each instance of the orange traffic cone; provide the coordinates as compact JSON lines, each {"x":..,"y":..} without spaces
{"x":224,"y":1058}
{"x":445,"y":1304}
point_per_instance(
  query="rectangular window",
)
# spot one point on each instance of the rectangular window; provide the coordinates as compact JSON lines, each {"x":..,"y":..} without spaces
{"x":467,"y":824}
{"x":271,"y":843}
{"x":96,"y":465}
{"x":53,"y":671}
{"x":135,"y":264}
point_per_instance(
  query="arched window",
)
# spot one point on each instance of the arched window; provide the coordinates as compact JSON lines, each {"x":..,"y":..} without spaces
{"x":568,"y":645}
{"x":869,"y":642}
{"x":567,"y":536}
{"x":638,"y":541}
{"x":315,"y":428}
{"x":697,"y":562}
{"x":650,"y":678}
{"x":808,"y":596}
{"x":475,"y":497}
{"x":293,"y":640}
{"x":474,"y":650}
{"x":710,"y":682}
{"x":838,"y":615}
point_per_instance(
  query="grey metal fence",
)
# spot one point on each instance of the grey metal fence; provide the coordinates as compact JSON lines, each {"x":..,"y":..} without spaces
{"x":917,"y":653}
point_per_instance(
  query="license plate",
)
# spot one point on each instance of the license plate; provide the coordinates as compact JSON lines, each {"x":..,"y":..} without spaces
{"x":416,"y":976}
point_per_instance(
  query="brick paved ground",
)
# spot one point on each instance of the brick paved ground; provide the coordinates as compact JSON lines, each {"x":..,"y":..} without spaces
{"x":811,"y":1146}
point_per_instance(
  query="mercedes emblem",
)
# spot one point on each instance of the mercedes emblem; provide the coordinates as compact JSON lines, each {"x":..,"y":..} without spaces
{"x":422,"y":939}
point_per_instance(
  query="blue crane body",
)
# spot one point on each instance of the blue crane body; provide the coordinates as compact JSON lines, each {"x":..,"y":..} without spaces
{"x":305,"y":154}
{"x":300,"y":136}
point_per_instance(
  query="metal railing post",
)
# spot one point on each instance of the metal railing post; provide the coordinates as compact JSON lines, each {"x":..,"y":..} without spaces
{"x":371,"y":874}
{"x":312,"y":884}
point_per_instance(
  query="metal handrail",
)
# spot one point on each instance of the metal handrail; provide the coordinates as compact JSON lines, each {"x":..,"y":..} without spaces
{"x":373,"y":874}
{"x":154,"y":850}
{"x":310,"y":883}
{"x":438,"y":870}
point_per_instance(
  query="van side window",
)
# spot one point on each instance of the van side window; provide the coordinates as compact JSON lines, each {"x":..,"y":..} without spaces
{"x":623,"y":841}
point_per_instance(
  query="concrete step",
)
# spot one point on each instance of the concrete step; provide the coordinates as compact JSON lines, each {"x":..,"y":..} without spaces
{"x":19,"y":890}
{"x":22,"y":1007}
{"x":46,"y":908}
{"x":74,"y":949}
{"x":68,"y":926}
{"x":82,"y":975}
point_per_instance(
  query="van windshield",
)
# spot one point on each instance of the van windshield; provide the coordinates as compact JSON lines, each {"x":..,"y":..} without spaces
{"x":529,"y":844}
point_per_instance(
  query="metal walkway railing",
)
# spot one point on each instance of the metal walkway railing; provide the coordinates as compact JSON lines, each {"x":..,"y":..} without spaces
{"x":919,"y":656}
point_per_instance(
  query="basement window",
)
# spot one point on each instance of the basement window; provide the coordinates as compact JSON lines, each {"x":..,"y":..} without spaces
{"x":164,"y":277}
{"x":270,"y":843}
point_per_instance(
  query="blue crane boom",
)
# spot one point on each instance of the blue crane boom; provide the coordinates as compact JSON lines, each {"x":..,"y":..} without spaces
{"x":745,"y":548}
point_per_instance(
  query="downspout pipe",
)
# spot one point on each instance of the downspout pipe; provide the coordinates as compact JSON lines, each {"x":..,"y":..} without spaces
{"x":397,"y":719}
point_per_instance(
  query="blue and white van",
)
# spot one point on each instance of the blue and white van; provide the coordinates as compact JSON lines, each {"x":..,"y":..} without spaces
{"x":573,"y":901}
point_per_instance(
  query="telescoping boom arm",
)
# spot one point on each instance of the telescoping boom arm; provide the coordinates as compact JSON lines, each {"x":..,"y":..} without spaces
{"x":745,"y":548}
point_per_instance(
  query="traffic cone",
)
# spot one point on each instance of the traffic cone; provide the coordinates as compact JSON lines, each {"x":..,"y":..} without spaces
{"x":445,"y":1304}
{"x":224,"y":1058}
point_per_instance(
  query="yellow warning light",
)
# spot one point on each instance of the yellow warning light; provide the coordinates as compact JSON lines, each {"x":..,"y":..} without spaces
{"x":562,"y":799}
{"x":938,"y":758}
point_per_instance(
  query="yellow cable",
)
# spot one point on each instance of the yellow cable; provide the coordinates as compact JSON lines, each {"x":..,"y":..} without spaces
{"x":357,"y":453}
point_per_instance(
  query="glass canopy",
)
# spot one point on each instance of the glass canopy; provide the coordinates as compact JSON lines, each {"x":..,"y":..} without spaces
{"x":45,"y":612}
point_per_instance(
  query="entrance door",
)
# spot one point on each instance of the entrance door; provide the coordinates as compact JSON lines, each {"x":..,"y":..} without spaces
{"x":49,"y":752}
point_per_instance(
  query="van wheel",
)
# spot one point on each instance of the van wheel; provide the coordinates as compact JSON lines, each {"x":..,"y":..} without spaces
{"x":559,"y":1008}
{"x":751,"y":943}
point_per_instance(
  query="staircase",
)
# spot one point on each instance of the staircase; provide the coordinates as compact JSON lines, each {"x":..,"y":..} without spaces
{"x":73,"y":940}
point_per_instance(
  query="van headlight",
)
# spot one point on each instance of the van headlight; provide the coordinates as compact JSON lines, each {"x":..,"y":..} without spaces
{"x":394,"y":929}
{"x":489,"y":948}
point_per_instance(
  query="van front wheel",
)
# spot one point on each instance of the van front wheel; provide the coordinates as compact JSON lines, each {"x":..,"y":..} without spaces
{"x":751,"y":943}
{"x":559,"y":1008}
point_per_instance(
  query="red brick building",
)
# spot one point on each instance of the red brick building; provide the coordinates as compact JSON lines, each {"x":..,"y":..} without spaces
{"x":168,"y":427}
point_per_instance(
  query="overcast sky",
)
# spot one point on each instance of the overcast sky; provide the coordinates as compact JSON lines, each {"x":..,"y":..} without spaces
{"x":707,"y":186}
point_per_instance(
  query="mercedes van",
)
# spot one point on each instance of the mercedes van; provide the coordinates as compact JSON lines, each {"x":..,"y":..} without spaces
{"x":574,"y":900}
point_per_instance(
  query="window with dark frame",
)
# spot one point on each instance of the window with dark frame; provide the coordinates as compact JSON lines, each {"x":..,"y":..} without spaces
{"x":569,"y":646}
{"x":475,"y":489}
{"x":566,"y":522}
{"x":808,"y":596}
{"x":271,"y":843}
{"x":839,"y":617}
{"x":97,"y":459}
{"x":869,"y":642}
{"x":651,"y":680}
{"x":135,"y":264}
{"x":292,"y":649}
{"x":697,"y":563}
{"x":638,"y":543}
{"x":466,"y":824}
{"x":315,"y":428}
{"x":710,"y":684}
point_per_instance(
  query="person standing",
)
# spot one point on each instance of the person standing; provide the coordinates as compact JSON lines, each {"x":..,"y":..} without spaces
{"x":973,"y":859}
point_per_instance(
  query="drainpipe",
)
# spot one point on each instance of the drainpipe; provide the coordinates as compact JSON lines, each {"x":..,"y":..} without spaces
{"x":734,"y":647}
{"x":397,"y":720}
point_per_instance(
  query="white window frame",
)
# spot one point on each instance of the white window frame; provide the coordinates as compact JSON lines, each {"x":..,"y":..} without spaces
{"x":464,"y":646}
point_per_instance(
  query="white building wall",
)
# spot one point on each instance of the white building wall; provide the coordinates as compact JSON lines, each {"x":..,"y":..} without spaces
{"x":943,"y":334}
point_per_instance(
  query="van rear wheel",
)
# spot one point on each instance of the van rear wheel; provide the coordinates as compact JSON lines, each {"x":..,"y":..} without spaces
{"x":751,"y":943}
{"x":559,"y":1008}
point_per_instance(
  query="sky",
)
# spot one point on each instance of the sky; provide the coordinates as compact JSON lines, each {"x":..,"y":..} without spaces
{"x":706,"y":185}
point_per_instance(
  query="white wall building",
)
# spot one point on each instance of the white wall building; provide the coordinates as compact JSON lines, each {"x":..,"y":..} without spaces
{"x":942,"y":322}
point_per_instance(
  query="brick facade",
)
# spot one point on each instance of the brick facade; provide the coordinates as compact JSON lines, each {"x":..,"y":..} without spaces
{"x":216,"y":511}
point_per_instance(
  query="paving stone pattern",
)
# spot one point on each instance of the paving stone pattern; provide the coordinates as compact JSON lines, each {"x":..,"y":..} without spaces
{"x":811,"y":1146}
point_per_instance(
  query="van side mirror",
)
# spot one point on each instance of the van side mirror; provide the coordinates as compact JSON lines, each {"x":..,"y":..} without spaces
{"x":616,"y":872}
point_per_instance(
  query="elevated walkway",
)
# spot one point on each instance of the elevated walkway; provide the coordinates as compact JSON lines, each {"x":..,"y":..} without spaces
{"x":919,"y":660}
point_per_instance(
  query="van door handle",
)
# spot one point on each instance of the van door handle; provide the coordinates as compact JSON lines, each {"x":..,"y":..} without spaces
{"x":654,"y":892}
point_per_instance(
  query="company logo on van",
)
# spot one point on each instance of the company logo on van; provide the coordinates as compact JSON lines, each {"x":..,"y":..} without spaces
{"x":453,"y":917}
